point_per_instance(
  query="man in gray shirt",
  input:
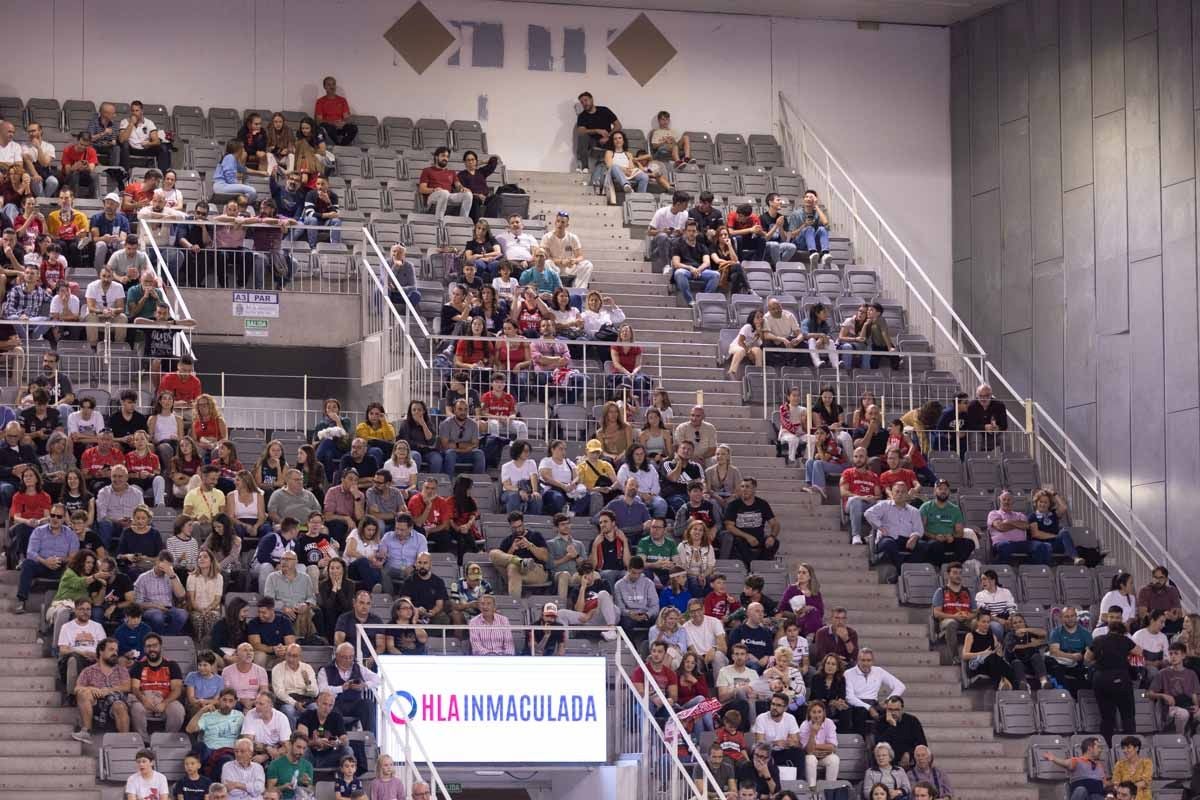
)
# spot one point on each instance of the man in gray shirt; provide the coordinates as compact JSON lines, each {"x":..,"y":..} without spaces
{"x":565,"y":554}
{"x":458,"y":439}
{"x":128,"y":262}
{"x":384,"y":501}
{"x":293,"y":500}
{"x":636,"y":598}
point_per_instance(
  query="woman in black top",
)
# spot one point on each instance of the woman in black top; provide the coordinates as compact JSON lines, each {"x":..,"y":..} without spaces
{"x":421,"y":434}
{"x":76,"y":497}
{"x":982,"y":652}
{"x":474,"y":179}
{"x":1109,"y":657}
{"x":482,"y":250}
{"x":335,"y":595}
{"x":493,"y":310}
{"x":829,"y":686}
{"x":254,"y":139}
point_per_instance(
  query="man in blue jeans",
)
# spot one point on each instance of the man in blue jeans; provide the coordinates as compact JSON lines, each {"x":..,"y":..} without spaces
{"x":15,"y":458}
{"x":458,"y":439}
{"x":50,"y":547}
{"x":1008,"y":531}
{"x":690,"y":261}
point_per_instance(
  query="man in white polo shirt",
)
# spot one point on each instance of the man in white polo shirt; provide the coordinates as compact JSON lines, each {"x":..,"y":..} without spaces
{"x":666,"y":226}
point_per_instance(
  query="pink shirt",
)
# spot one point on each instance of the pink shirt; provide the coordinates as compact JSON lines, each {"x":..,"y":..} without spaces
{"x":826,"y":734}
{"x":1004,"y":537}
{"x":246,"y":684}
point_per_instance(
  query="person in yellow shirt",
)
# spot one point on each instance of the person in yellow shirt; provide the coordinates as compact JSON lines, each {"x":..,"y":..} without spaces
{"x":378,"y":432}
{"x":69,"y":227}
{"x":206,"y":500}
{"x":1132,"y":766}
{"x":596,"y":474}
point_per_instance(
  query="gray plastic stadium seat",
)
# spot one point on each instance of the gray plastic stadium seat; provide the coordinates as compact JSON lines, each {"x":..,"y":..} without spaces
{"x":12,"y":109}
{"x":402,"y":196}
{"x":975,"y":508}
{"x":862,"y":282}
{"x":1037,"y":584}
{"x":826,"y":281}
{"x":917,"y":584}
{"x":842,"y":250}
{"x":760,"y":277}
{"x":1145,"y":713}
{"x":350,"y":162}
{"x":635,"y":139}
{"x":710,"y":311}
{"x":571,"y":422}
{"x":1038,"y":768}
{"x":765,"y":151}
{"x":701,"y":145}
{"x":945,"y":464}
{"x":1055,"y":712}
{"x":1102,"y":575}
{"x":384,"y":164}
{"x":690,"y":182}
{"x":1035,"y":616}
{"x":170,"y":748}
{"x":366,"y":198}
{"x":719,"y":179}
{"x":755,"y":380}
{"x":755,"y":182}
{"x":792,"y":279}
{"x":335,"y":260}
{"x":742,"y":305}
{"x":1087,"y":712}
{"x":223,"y":123}
{"x":788,"y":183}
{"x":1014,"y":714}
{"x":468,"y":135}
{"x":1075,"y":586}
{"x":45,"y":111}
{"x":1020,"y":474}
{"x":985,"y":473}
{"x":432,"y":133}
{"x":732,"y":150}
{"x":425,"y":234}
{"x":368,"y":129}
{"x":639,"y":208}
{"x":398,"y":132}
{"x":117,"y":751}
{"x":78,"y":114}
{"x":1172,"y":756}
{"x":724,"y":339}
{"x":852,"y":751}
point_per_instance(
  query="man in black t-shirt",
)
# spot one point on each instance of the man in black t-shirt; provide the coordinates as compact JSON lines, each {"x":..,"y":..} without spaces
{"x":127,"y":420}
{"x":751,"y":529}
{"x":774,"y":223}
{"x":592,"y":128}
{"x":326,"y":732}
{"x":707,"y":218}
{"x":522,"y":556}
{"x":428,"y":592}
{"x":691,"y":261}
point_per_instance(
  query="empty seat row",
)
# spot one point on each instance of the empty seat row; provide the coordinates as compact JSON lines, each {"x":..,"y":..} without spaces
{"x":1055,"y":711}
{"x":1033,"y":584}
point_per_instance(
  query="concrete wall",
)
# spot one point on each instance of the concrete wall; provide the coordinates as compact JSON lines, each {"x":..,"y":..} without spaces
{"x":339,"y":316}
{"x":1073,"y":128}
{"x":879,"y":97}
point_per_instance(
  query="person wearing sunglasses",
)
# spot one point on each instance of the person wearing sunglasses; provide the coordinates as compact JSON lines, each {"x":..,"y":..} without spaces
{"x":50,"y":547}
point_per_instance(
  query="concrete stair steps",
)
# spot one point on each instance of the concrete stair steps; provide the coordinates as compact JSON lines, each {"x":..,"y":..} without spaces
{"x":938,"y":731}
{"x":22,"y":684}
{"x":24,"y":650}
{"x":17,"y":635}
{"x":867,"y":633}
{"x":998,"y":748}
{"x":53,"y":781}
{"x":968,"y":720}
{"x":16,"y":765}
{"x":59,"y":794}
{"x":37,"y":732}
{"x":39,"y":715}
{"x":615,"y":270}
{"x":561,"y":195}
{"x":39,"y":699}
{"x":28,"y":666}
{"x":966,"y":764}
{"x":549,"y":210}
{"x":942,"y":690}
{"x":990,"y":774}
{"x":37,"y":749}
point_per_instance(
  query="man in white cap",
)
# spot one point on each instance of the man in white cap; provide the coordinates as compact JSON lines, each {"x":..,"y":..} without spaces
{"x":109,"y":228}
{"x":550,"y":639}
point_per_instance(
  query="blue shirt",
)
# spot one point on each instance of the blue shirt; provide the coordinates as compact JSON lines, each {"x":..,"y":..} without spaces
{"x":228,"y":170}
{"x":205,"y":688}
{"x":668,"y":597}
{"x":106,"y":226}
{"x":1069,"y":642}
{"x":545,"y":281}
{"x":131,"y":638}
{"x":630,"y":516}
{"x":270,"y":633}
{"x":402,"y":554}
{"x":44,"y":544}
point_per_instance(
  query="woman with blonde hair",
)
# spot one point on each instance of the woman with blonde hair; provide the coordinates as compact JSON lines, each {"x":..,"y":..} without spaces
{"x":615,"y":433}
{"x":208,"y":426}
{"x":722,"y":479}
{"x":205,"y":585}
{"x":666,"y":629}
{"x":697,"y":556}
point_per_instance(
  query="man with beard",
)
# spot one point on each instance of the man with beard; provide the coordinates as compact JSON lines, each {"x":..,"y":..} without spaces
{"x":156,"y":686}
{"x":440,"y":187}
{"x":100,"y":693}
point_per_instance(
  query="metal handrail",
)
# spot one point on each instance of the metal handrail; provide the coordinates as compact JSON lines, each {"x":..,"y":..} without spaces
{"x":1109,"y":505}
{"x":178,"y":304}
{"x":386,"y":269}
{"x":389,"y":305}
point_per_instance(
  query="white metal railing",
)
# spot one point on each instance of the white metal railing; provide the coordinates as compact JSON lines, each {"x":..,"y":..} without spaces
{"x":1094,"y":502}
{"x":635,"y":731}
{"x":179,"y":307}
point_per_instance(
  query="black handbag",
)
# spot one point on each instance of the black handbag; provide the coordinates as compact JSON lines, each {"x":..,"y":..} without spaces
{"x":606,"y":333}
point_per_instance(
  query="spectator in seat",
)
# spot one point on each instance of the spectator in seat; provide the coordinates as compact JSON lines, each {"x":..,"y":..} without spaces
{"x":290,"y":587}
{"x":756,"y":636}
{"x":1087,"y":774}
{"x":677,"y":474}
{"x":872,"y":435}
{"x":291,"y":500}
{"x":1046,"y":525}
{"x":136,"y":196}
{"x":490,"y":634}
{"x":156,"y":684}
{"x":735,"y":690}
{"x":1023,"y":648}
{"x":945,"y":537}
{"x":1133,"y":770}
{"x":565,"y":554}
{"x":983,"y":652}
{"x":668,"y":145}
{"x":321,"y":211}
{"x":518,"y":245}
{"x":837,"y":638}
{"x":458,"y":440}
{"x":1177,"y":689}
{"x":406,"y":276}
{"x":759,"y":774}
{"x":986,"y":414}
{"x":139,"y":137}
{"x":901,"y":730}
{"x":564,"y":253}
{"x":594,"y":126}
{"x":803,"y":599}
{"x":100,"y":693}
{"x":809,"y":226}
{"x":863,"y":684}
{"x":702,"y":435}
{"x":817,"y":740}
{"x":953,"y":607}
{"x":636,"y":598}
{"x":690,"y":260}
{"x":102,"y":130}
{"x":289,"y":195}
{"x":485,"y":253}
{"x":666,"y":227}
{"x":519,"y":477}
{"x":243,"y":777}
{"x":69,"y":228}
{"x":996,"y":600}
{"x":364,"y":459}
{"x":589,"y":598}
{"x":620,"y":163}
{"x":403,"y":544}
{"x":293,"y":769}
{"x":294,"y":684}
{"x":899,"y":529}
{"x":98,"y":462}
{"x":1161,"y":595}
{"x":109,"y":231}
{"x":779,"y":730}
{"x":106,"y":304}
{"x":751,"y":525}
{"x":474,"y":179}
{"x":219,"y":724}
{"x":351,"y":684}
{"x":859,"y":487}
{"x":521,"y":556}
{"x":1009,"y":534}
{"x":818,"y":332}
{"x":774,"y":223}
{"x":465,"y":595}
{"x":705,"y":636}
{"x":559,"y":479}
{"x":158,"y":590}
{"x":878,"y":339}
{"x":440,"y":187}
{"x":331,"y":112}
{"x":38,"y":157}
{"x":227,"y":178}
{"x":544,"y":278}
{"x":80,"y":635}
{"x":1068,"y":642}
{"x":924,"y":773}
{"x":896,"y":471}
{"x":79,"y":163}
{"x":269,"y":634}
{"x":749,"y":238}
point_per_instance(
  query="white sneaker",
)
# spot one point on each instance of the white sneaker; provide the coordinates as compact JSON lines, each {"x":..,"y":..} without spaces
{"x":813,"y":259}
{"x":857,"y":540}
{"x":826,"y":260}
{"x":667,"y":269}
{"x":608,"y":635}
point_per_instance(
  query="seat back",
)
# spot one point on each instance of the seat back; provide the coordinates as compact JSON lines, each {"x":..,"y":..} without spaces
{"x":755,"y":182}
{"x":917,"y":584}
{"x":765,"y":151}
{"x":852,"y":750}
{"x":1055,"y":711}
{"x":398,"y":132}
{"x":1037,"y":584}
{"x":732,"y":150}
{"x":468,"y":135}
{"x":719,"y":179}
{"x":1015,"y":714}
{"x":1075,"y":586}
{"x":432,"y":133}
{"x":702,"y":148}
{"x":1036,"y":765}
{"x":1172,"y":756}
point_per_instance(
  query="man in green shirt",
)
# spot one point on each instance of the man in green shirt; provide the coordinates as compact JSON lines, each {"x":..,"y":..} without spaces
{"x":291,"y":769}
{"x":143,"y":298}
{"x":945,"y":537}
{"x":657,"y":550}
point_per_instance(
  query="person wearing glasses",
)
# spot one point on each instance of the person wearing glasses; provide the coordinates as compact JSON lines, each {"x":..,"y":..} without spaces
{"x":50,"y":547}
{"x":986,"y":414}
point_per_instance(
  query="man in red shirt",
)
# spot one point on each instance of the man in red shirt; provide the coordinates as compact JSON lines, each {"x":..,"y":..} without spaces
{"x":665,"y":677}
{"x":430,"y":513}
{"x":182,"y":383}
{"x":498,"y":410}
{"x":898,"y":474}
{"x":860,"y":490}
{"x":79,"y":162}
{"x":440,"y":187}
{"x":747,"y":232}
{"x":331,"y":113}
{"x":99,"y":460}
{"x":137,"y":196}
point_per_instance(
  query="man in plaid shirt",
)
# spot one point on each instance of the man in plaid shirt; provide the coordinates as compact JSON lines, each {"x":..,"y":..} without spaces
{"x":490,"y":632}
{"x":29,"y":300}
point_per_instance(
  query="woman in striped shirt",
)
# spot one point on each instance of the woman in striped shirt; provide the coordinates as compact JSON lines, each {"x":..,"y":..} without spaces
{"x":996,"y":600}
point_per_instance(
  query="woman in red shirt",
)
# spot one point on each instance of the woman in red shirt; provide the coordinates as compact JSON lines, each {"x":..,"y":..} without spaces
{"x":475,"y":355}
{"x":226,"y":458}
{"x":627,"y":367}
{"x":528,"y":312}
{"x":144,"y":467}
{"x":208,"y":428}
{"x":511,"y":355}
{"x":30,"y":508}
{"x":463,"y":535}
{"x":693,"y":690}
